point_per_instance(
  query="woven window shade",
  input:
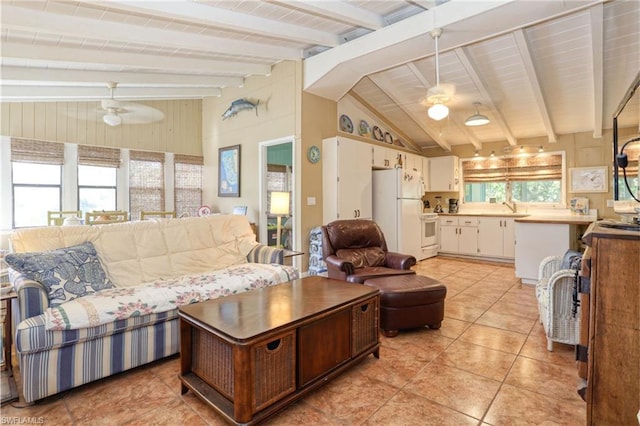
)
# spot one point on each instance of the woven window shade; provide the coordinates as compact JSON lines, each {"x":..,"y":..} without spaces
{"x":146,"y":182}
{"x":98,"y":156}
{"x":33,"y":151}
{"x":539,"y":167}
{"x":633,"y":155}
{"x":188,"y":184}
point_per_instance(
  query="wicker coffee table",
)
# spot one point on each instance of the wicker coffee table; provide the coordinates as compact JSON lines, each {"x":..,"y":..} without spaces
{"x":250,"y":355}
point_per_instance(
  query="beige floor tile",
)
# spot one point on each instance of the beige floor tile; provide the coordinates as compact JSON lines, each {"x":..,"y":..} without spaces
{"x":454,"y":388}
{"x":555,"y":381}
{"x":511,"y":308}
{"x":494,"y":338}
{"x":477,"y":359}
{"x":352,"y":397}
{"x":536,"y":347}
{"x":393,"y":367}
{"x":176,"y":412}
{"x":408,"y":409}
{"x":451,"y":327}
{"x":507,"y":322}
{"x":423,"y":344}
{"x":515,"y":406}
{"x":302,"y":413}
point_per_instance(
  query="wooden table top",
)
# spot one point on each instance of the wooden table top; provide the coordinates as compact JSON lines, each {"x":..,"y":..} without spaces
{"x":248,"y":315}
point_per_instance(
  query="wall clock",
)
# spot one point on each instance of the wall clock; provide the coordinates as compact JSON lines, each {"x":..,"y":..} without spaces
{"x":313,"y":154}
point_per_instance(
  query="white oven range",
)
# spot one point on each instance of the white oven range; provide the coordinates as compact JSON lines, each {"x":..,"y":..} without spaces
{"x":429,"y":238}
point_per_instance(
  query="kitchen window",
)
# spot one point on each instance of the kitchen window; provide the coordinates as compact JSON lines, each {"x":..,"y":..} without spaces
{"x":522,"y":178}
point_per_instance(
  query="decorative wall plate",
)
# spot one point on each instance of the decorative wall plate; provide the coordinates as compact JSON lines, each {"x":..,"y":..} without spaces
{"x":313,"y":154}
{"x":346,"y":125}
{"x":388,"y":138}
{"x":364,"y":129}
{"x":204,"y":211}
{"x":377,"y":134}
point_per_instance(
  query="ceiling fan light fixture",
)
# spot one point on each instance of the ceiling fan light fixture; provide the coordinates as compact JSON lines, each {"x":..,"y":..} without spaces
{"x":438,"y":111}
{"x":112,"y":119}
{"x":477,"y":119}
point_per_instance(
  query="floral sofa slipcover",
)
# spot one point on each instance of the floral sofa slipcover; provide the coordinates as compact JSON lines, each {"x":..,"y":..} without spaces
{"x":98,"y":300}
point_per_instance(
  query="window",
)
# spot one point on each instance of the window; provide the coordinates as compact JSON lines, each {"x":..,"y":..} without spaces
{"x":36,"y":180}
{"x":97,"y":168}
{"x":624,"y":192}
{"x":188,"y":184}
{"x":146,"y":182}
{"x":525,"y":179}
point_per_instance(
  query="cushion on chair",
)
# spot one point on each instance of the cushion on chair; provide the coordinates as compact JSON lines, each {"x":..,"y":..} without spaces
{"x":368,"y":256}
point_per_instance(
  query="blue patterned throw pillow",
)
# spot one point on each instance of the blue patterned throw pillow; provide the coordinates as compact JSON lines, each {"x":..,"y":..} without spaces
{"x":67,"y":273}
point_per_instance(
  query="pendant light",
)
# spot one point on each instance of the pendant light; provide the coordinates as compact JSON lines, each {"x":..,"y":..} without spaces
{"x":437,"y":96}
{"x":477,"y":119}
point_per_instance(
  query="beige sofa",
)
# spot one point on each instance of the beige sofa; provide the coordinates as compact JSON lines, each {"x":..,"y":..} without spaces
{"x":82,"y":319}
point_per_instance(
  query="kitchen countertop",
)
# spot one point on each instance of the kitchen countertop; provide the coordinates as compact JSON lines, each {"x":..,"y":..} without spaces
{"x":561,"y":218}
{"x":488,"y":214}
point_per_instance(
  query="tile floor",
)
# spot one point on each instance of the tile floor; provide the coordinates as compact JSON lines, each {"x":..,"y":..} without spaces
{"x":487,"y":365}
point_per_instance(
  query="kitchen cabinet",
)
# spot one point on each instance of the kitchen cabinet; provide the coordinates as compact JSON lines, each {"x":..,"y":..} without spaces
{"x":444,"y":174}
{"x":384,"y":158}
{"x":411,"y":162}
{"x":425,"y":172}
{"x":534,"y":242}
{"x":459,"y":235}
{"x":496,"y":237}
{"x":347,"y":179}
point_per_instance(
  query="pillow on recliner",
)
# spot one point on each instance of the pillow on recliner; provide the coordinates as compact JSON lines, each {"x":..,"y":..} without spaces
{"x":360,"y":258}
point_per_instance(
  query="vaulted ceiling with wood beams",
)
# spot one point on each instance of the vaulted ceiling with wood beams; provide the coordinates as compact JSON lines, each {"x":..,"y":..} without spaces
{"x":534,"y":68}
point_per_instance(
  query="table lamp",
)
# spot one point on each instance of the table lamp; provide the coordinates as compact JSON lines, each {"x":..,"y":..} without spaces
{"x":279,"y":207}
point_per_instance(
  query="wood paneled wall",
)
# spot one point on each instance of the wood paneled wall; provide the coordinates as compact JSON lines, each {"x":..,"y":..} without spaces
{"x":180,"y":131}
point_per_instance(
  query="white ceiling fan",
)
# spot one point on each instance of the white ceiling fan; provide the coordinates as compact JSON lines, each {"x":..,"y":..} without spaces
{"x":119,"y":112}
{"x":441,"y":94}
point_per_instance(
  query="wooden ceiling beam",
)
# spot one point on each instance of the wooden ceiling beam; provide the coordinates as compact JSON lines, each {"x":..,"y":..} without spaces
{"x":534,"y":83}
{"x":215,"y":17}
{"x":24,"y":19}
{"x":337,"y":11}
{"x":487,"y":100}
{"x":597,"y":52}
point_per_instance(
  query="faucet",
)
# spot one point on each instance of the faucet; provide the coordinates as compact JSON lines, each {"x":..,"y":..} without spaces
{"x":511,"y":206}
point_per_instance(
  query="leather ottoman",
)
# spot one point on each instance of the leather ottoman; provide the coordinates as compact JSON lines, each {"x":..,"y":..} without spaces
{"x":409,"y":301}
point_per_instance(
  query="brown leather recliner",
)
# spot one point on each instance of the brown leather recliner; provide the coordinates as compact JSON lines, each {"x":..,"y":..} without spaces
{"x":355,"y":251}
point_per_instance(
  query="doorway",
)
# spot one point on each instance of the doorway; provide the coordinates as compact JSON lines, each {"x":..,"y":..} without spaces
{"x":277,"y":175}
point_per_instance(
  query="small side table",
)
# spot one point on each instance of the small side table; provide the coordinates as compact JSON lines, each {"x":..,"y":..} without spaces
{"x":9,"y":388}
{"x":289,"y":255}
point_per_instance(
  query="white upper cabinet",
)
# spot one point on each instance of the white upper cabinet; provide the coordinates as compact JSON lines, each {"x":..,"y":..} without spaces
{"x":444,"y":174}
{"x":347,"y":179}
{"x":384,"y":158}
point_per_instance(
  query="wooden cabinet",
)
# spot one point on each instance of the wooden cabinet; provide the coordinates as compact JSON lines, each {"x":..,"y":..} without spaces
{"x":249,"y":355}
{"x":412,"y":162}
{"x":425,"y":173}
{"x":459,"y":235}
{"x":613,"y":321}
{"x":384,"y":158}
{"x":347,"y":179}
{"x":496,"y":237}
{"x":444,"y":174}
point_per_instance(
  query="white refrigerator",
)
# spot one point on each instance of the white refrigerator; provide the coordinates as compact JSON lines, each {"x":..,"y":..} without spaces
{"x":397,"y":209}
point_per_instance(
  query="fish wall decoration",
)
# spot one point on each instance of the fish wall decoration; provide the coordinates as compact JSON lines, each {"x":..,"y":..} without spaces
{"x":240,"y":105}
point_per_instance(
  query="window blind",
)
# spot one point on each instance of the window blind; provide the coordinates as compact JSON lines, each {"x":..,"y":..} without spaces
{"x":520,"y":168}
{"x":188,"y":183}
{"x":146,"y":182}
{"x":34,"y":151}
{"x":98,"y":156}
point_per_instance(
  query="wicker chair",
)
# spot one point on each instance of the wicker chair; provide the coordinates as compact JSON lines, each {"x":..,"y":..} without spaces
{"x":555,"y":291}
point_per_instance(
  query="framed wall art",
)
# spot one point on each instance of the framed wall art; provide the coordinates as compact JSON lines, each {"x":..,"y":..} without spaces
{"x":588,"y":179}
{"x":229,"y":171}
